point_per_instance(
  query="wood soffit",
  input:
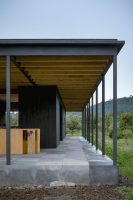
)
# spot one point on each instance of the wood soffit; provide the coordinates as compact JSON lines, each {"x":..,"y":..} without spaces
{"x":75,"y":76}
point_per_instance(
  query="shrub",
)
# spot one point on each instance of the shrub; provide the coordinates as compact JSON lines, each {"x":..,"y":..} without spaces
{"x":126,"y":121}
{"x":110,"y":133}
{"x":73,"y":123}
{"x":119,"y":133}
{"x":127,"y":133}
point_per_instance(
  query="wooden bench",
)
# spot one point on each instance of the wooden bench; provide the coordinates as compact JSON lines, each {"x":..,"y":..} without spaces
{"x":23,"y":141}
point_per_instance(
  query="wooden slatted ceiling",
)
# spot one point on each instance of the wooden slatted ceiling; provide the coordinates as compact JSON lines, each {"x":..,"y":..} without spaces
{"x":75,"y":76}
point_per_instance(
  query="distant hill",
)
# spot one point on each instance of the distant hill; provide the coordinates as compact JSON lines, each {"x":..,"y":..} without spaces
{"x":124,"y":104}
{"x":74,"y":113}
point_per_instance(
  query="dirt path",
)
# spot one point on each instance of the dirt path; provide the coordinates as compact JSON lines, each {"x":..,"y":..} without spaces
{"x":61,"y":193}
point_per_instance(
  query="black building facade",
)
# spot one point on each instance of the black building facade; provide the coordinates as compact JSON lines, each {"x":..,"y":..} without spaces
{"x":41,"y":107}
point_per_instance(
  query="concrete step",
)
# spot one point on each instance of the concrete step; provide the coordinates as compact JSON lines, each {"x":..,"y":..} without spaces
{"x":74,"y":161}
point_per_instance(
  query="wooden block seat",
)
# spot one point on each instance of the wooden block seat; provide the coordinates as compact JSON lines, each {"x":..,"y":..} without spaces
{"x":23,"y":141}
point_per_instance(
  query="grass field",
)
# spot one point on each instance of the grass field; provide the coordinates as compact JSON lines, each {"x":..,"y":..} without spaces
{"x":74,"y":134}
{"x":125,"y":160}
{"x":125,"y":155}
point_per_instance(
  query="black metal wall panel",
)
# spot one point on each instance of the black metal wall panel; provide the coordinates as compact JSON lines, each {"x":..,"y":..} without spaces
{"x":39,"y":108}
{"x":2,"y":113}
{"x":61,"y":123}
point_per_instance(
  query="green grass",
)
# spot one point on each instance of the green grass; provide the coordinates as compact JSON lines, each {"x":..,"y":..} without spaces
{"x":127,"y":192}
{"x":125,"y":161}
{"x":125,"y":154}
{"x":74,"y":134}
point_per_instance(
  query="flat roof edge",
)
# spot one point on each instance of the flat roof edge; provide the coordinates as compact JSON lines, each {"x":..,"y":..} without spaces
{"x":60,"y":41}
{"x":118,"y":44}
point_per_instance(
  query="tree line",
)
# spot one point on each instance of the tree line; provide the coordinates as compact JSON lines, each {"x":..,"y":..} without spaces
{"x":124,"y":125}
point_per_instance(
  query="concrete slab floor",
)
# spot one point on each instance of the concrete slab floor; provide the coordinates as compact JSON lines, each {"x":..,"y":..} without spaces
{"x":74,"y":160}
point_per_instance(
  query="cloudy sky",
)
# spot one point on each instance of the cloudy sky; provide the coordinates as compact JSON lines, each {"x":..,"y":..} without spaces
{"x":112,"y":19}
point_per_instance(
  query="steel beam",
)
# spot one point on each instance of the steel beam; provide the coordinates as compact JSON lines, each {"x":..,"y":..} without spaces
{"x":103,"y":115}
{"x":92,"y":131}
{"x":58,"y":50}
{"x":115,"y":109}
{"x":8,"y":108}
{"x":23,"y":71}
{"x":97,"y":118}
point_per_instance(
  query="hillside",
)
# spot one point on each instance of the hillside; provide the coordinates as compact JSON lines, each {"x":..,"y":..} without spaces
{"x":124,"y":104}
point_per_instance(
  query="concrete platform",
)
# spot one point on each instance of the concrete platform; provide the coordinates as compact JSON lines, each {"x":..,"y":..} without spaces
{"x":73,"y":161}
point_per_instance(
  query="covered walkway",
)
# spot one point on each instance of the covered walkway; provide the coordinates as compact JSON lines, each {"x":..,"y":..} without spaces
{"x":73,"y":161}
{"x":44,"y":79}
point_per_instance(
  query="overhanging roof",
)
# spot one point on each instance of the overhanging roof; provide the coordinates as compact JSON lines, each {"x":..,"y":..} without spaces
{"x":75,"y":66}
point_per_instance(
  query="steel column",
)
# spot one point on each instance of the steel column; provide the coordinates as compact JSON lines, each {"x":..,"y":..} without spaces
{"x":115,"y":109}
{"x":83,"y":123}
{"x":96,"y":118}
{"x":92,"y":121}
{"x":103,"y":115}
{"x":89,"y":126}
{"x":8,"y":107}
{"x":87,"y":122}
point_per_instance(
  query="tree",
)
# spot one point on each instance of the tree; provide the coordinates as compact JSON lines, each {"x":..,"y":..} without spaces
{"x":73,"y":123}
{"x":126,"y":121}
{"x":14,"y":119}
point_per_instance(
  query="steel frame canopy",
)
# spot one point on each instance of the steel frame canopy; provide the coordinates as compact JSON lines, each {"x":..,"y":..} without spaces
{"x":76,"y":66}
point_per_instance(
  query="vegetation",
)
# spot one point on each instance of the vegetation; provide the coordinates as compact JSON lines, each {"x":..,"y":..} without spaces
{"x":73,"y":125}
{"x":124,"y":104}
{"x":127,"y":192}
{"x":125,"y":145}
{"x":14,"y":119}
{"x":126,"y":121}
{"x":125,"y":162}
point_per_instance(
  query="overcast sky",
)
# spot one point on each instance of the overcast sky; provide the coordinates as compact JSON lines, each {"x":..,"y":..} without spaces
{"x":112,"y":19}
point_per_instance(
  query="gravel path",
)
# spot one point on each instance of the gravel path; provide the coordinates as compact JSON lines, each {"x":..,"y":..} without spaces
{"x":61,"y":193}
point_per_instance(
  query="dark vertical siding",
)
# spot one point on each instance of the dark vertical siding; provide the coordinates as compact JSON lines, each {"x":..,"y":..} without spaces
{"x":61,"y":122}
{"x":39,"y":108}
{"x":2,"y":113}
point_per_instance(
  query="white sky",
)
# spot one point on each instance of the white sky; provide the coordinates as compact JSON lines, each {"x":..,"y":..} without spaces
{"x":75,"y":19}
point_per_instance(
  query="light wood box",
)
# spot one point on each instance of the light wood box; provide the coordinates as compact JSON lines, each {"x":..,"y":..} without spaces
{"x":19,"y":143}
